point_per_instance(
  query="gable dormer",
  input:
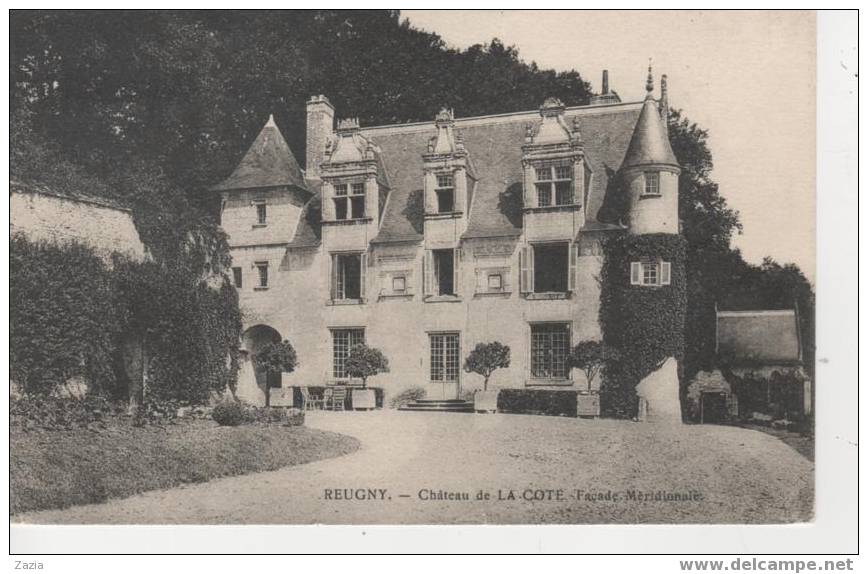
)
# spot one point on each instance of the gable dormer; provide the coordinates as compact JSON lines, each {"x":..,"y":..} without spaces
{"x":448,"y":178}
{"x":351,"y":186}
{"x":556,"y":175}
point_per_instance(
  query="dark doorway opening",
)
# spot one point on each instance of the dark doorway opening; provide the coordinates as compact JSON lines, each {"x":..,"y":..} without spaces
{"x":713,"y":408}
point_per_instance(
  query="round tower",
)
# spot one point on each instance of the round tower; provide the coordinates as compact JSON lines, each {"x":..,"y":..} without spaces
{"x":650,"y":172}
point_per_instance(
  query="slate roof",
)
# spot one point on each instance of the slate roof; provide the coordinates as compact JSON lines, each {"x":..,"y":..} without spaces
{"x":758,"y":337}
{"x":649,"y":144}
{"x":494,"y":144}
{"x":268,"y":163}
{"x":308,"y":233}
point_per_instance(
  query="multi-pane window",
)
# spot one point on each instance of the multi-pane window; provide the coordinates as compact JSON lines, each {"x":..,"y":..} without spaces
{"x":445,"y":191}
{"x":549,"y":349}
{"x":554,"y":185}
{"x":237,"y":277}
{"x":262,"y":272}
{"x":652,"y":183}
{"x":342,"y":341}
{"x":347,"y":276}
{"x":349,"y":200}
{"x":445,"y":354}
{"x":261,"y":212}
{"x":650,"y":273}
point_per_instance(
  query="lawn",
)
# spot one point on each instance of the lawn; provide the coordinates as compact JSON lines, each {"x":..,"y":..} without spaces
{"x":56,"y":469}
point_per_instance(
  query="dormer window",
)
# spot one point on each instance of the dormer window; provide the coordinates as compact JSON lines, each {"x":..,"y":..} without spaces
{"x":652,"y":183}
{"x":349,"y":200}
{"x":554,"y":185}
{"x":445,"y":191}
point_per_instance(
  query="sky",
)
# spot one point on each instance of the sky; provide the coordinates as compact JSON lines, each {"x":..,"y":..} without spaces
{"x":747,"y":77}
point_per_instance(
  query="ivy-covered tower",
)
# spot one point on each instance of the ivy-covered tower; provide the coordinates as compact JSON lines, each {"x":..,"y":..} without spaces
{"x":644,"y":299}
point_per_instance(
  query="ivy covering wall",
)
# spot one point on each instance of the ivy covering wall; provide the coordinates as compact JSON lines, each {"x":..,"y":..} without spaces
{"x":645,"y":324}
{"x":71,"y":315}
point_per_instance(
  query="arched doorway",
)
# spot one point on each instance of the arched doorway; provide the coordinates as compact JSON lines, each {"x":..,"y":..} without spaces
{"x":253,"y":384}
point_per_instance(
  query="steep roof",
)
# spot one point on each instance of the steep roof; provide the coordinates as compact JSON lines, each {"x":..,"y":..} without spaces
{"x":494,"y":144}
{"x":650,"y":143}
{"x":758,"y":337}
{"x":268,"y":163}
{"x":308,"y":233}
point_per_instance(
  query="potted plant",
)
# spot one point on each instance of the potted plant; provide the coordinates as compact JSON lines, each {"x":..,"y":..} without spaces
{"x":590,"y":357}
{"x":363,"y":362}
{"x":274,"y":359}
{"x":483,"y":360}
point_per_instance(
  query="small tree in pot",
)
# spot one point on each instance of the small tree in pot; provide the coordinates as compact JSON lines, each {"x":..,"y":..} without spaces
{"x":483,"y":360}
{"x":363,"y":362}
{"x":590,"y":357}
{"x":273,"y":359}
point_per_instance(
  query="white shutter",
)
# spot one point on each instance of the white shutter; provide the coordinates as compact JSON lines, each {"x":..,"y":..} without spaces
{"x":574,"y":264}
{"x":456,"y":271}
{"x":363,"y":275}
{"x":665,"y":272}
{"x":333,"y":277}
{"x":635,"y":273}
{"x":524,"y":269}
{"x":427,"y":273}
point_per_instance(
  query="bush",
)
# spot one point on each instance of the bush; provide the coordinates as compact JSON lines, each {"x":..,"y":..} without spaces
{"x":537,"y":402}
{"x":32,"y":412}
{"x":364,"y":361}
{"x":62,"y":323}
{"x":407,"y":396}
{"x":231,"y":414}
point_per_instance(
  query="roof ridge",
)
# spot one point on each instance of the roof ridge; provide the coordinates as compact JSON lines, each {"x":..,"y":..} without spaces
{"x":410,"y":127}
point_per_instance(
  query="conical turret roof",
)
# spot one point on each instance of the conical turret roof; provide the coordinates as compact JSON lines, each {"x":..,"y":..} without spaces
{"x":268,"y":163}
{"x":650,"y":142}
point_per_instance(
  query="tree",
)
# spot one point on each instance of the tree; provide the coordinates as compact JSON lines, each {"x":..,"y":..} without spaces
{"x":591,"y":356}
{"x":486,"y":358}
{"x":273,"y":359}
{"x":364,"y":361}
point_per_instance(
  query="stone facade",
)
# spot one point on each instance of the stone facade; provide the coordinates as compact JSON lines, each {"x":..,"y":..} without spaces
{"x":426,"y":239}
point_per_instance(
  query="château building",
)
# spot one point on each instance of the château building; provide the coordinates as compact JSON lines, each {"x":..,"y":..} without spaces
{"x":424,"y":239}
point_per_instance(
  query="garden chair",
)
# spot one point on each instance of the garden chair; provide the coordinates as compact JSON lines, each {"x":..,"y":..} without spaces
{"x":338,"y":398}
{"x":312,"y":402}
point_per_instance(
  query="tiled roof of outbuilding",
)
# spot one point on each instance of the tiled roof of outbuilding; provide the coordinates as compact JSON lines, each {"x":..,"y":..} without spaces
{"x":268,"y":163}
{"x":758,"y":337}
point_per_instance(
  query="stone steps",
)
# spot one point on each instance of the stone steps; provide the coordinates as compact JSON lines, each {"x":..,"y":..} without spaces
{"x":439,"y":406}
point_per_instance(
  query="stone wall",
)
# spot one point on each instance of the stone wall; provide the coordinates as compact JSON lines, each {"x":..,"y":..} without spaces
{"x":56,"y":219}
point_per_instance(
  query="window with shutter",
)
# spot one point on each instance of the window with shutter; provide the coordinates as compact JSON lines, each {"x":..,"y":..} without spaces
{"x":635,"y":273}
{"x":526,"y":269}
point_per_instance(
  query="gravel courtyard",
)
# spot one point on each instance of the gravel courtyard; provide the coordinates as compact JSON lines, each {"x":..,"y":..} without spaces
{"x":415,"y":468}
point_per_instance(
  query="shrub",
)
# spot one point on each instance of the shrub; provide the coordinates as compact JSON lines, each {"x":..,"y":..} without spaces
{"x":275,"y":358}
{"x":364,"y":361}
{"x":537,"y":402}
{"x":231,"y":414}
{"x":62,"y":321}
{"x":486,"y":358}
{"x":407,"y":396}
{"x":590,"y":356}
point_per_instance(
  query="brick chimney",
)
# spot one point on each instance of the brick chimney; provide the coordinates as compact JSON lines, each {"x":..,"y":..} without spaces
{"x":320,"y":125}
